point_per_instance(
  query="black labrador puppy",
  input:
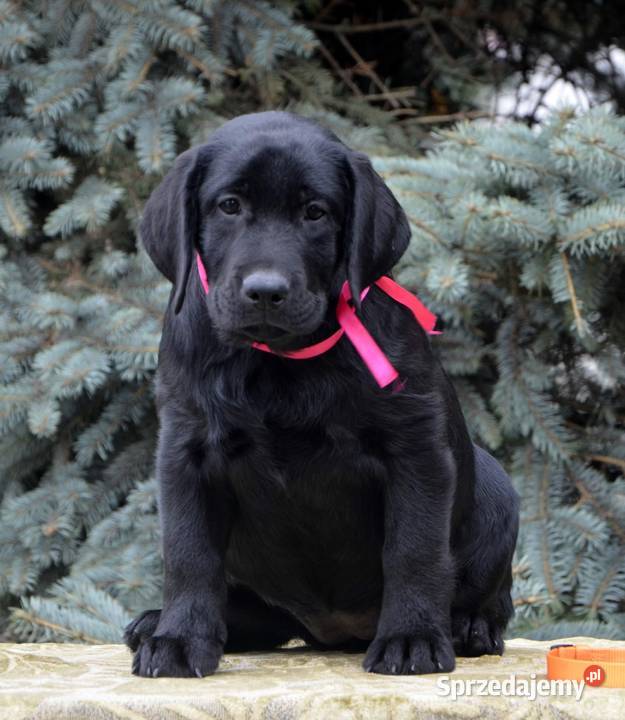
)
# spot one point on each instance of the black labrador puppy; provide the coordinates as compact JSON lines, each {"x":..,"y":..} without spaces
{"x":297,"y":497}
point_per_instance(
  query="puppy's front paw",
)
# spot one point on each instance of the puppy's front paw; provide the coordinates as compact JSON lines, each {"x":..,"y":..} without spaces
{"x":163,"y":656}
{"x":477,"y":635}
{"x":409,"y":654}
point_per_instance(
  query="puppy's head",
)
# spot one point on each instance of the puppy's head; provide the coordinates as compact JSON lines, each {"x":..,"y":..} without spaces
{"x":281,"y":213}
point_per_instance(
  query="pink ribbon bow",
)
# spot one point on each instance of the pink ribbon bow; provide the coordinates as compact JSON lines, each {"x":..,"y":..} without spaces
{"x":359,"y":336}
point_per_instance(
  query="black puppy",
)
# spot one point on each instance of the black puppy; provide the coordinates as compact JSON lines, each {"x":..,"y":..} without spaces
{"x":298,"y":498}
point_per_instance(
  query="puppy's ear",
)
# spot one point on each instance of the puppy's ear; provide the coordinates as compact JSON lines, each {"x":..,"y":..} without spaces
{"x":170,"y":224}
{"x":377,"y":228}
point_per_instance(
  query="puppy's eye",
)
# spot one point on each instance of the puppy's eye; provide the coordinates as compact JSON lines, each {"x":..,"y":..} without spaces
{"x":231,"y":206}
{"x":314,"y":212}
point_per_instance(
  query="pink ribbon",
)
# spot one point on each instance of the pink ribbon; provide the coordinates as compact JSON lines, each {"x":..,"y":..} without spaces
{"x":359,"y":336}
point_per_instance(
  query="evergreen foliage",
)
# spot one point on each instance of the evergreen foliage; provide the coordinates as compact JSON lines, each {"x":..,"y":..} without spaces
{"x":517,"y":244}
{"x":444,"y":56}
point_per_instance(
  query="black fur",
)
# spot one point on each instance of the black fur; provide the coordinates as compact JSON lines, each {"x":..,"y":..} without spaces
{"x":297,"y":498}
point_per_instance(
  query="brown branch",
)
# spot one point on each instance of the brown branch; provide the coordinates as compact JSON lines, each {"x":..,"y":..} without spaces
{"x":579,"y":323}
{"x":603,"y":585}
{"x":143,"y":73}
{"x":593,"y":229}
{"x":608,"y":460}
{"x":35,"y":620}
{"x":339,"y":70}
{"x":347,"y":29}
{"x":544,"y":507}
{"x":368,"y":70}
{"x":529,"y":600}
{"x":587,"y":497}
{"x":408,"y":92}
{"x":327,"y":9}
{"x":450,"y":117}
{"x":404,"y":111}
{"x":438,"y":42}
{"x":429,"y":231}
{"x":204,"y":69}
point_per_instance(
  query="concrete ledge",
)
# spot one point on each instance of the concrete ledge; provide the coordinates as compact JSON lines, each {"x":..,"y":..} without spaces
{"x":87,"y":682}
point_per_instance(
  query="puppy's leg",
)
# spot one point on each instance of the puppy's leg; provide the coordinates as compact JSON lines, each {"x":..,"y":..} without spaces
{"x":195,"y":513}
{"x":480,"y":630}
{"x":414,"y":629}
{"x":252,"y":624}
{"x":483,"y":606}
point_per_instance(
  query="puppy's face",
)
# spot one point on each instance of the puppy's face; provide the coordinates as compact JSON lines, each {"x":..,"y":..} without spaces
{"x":272,"y":236}
{"x":281,"y":213}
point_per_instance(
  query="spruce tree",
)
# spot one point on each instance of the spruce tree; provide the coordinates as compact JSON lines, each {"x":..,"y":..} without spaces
{"x":517,"y":244}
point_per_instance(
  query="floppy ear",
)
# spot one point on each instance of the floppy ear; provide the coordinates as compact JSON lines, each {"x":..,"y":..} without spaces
{"x":170,"y":224}
{"x":377,"y":228}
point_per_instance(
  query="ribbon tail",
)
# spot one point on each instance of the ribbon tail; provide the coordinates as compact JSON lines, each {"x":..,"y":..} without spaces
{"x":202,"y":272}
{"x":365,"y":345}
{"x":425,"y":317}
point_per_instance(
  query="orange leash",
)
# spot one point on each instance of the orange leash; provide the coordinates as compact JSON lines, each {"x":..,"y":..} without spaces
{"x":597,"y":667}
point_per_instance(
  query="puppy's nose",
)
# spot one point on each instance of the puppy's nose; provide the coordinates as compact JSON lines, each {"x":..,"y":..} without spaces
{"x":266,"y":289}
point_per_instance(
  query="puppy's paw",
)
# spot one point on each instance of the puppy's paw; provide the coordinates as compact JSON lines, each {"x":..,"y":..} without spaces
{"x":163,"y":656}
{"x":141,"y":628}
{"x":409,"y":654}
{"x":476,"y":635}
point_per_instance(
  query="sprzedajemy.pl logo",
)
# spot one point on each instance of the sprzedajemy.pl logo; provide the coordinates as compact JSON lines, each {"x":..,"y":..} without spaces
{"x":530,"y":687}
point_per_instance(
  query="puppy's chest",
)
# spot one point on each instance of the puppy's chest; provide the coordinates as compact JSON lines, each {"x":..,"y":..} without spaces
{"x":302,"y":460}
{"x":309,"y":514}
